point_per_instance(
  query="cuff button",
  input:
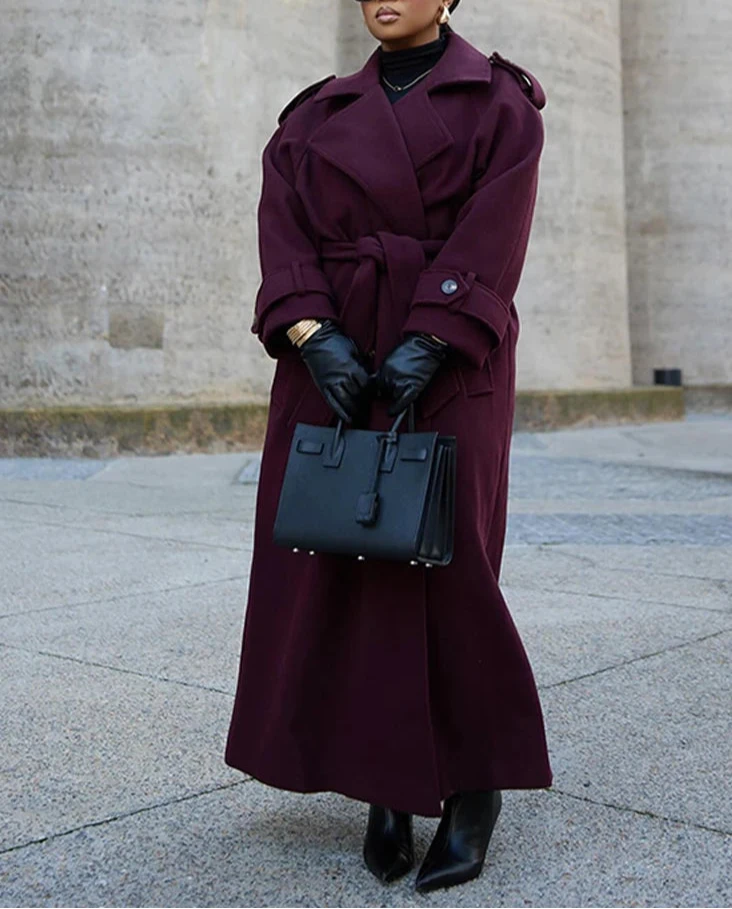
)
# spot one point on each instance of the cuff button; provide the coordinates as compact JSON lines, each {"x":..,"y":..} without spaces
{"x":449,"y":286}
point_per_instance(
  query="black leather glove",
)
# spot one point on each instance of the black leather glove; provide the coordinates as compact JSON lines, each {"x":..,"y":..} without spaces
{"x":335,"y":363}
{"x":408,"y":368}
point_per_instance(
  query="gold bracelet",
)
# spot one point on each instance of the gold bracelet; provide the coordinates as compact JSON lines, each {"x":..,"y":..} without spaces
{"x":302,"y":330}
{"x":310,"y":330}
{"x":308,"y":334}
{"x":295,"y":332}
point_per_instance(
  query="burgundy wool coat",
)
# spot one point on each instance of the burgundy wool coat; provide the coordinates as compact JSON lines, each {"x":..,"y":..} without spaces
{"x":390,"y":683}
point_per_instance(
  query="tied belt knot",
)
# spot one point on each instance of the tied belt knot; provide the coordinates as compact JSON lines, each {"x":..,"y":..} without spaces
{"x":369,"y":249}
{"x":378,"y":299}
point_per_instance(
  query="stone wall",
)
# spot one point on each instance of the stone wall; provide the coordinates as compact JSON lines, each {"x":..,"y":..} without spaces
{"x":678,"y":127}
{"x":131,"y":137}
{"x":130,"y":164}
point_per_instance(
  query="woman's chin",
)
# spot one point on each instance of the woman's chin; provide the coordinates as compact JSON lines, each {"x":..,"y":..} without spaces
{"x":389,"y":31}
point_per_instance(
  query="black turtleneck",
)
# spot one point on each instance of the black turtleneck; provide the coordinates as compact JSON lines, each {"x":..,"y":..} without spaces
{"x":404,"y":66}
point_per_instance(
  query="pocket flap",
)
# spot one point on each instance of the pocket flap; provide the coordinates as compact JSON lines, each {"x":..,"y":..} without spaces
{"x":478,"y":381}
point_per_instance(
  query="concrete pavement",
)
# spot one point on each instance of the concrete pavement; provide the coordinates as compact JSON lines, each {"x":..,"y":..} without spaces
{"x":122,"y":589}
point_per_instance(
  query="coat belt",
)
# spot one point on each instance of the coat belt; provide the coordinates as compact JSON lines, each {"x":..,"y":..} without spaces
{"x":378,"y":300}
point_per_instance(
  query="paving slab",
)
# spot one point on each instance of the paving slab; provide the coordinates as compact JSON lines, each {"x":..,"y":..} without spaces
{"x":47,"y":566}
{"x":682,"y":575}
{"x":82,"y":744}
{"x":234,"y":531}
{"x":191,"y":635}
{"x":255,"y":846}
{"x":123,"y":585}
{"x":49,"y":468}
{"x":629,"y":529}
{"x":701,"y":444}
{"x":129,"y":498}
{"x":188,"y":635}
{"x":715,"y":505}
{"x":250,"y":471}
{"x":712,"y":562}
{"x":568,"y":636}
{"x":653,"y":735}
{"x":177,"y":471}
{"x":570,"y":478}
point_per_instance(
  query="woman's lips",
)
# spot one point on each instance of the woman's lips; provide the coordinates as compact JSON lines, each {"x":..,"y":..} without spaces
{"x":387,"y":17}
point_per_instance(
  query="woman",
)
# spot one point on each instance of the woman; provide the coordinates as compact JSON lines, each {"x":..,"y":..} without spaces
{"x":394,"y":218}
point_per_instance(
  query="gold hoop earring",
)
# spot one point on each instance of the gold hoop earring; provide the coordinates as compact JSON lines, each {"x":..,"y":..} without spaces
{"x":444,"y":16}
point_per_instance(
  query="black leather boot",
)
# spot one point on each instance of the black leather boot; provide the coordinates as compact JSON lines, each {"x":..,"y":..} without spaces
{"x":388,"y":849}
{"x":457,"y":852}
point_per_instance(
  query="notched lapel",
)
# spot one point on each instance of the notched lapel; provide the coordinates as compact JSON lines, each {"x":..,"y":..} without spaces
{"x":425,"y":133}
{"x":382,"y":146}
{"x":364,"y":140}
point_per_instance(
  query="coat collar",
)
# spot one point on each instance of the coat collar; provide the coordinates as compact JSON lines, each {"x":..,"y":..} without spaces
{"x":383,"y":146}
{"x":460,"y":62}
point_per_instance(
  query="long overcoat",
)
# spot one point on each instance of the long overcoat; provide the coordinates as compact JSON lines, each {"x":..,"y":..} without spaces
{"x":390,"y":683}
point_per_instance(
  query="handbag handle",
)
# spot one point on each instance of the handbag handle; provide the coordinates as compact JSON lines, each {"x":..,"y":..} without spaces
{"x":409,"y":410}
{"x":333,"y":457}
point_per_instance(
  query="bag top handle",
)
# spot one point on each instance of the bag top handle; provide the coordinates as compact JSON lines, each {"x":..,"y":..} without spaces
{"x":409,"y":410}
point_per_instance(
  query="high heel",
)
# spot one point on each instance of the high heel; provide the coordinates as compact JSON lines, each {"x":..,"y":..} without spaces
{"x":457,"y":852}
{"x":388,"y":849}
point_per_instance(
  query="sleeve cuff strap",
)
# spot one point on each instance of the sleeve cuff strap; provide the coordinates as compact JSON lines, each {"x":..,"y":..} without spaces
{"x":299,"y":279}
{"x":461,"y":310}
{"x":288,"y":295}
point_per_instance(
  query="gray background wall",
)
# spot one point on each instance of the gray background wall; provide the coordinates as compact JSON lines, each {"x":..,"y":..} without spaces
{"x":678,"y":125}
{"x":130,"y":143}
{"x":130,"y":167}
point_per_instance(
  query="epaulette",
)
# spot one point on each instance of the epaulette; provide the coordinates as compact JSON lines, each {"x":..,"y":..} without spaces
{"x":530,"y":85}
{"x":300,"y":97}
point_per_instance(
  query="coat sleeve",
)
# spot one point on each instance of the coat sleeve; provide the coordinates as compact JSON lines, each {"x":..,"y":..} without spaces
{"x":465,"y":294}
{"x":293,"y":285}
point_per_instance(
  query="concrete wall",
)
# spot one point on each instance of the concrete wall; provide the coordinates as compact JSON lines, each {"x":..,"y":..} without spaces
{"x":678,"y":127}
{"x":130,"y":145}
{"x":130,"y":163}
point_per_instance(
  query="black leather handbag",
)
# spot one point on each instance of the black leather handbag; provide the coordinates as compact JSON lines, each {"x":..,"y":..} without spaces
{"x":357,"y":492}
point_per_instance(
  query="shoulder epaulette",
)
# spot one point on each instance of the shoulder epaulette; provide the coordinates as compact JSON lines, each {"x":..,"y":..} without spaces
{"x":300,"y":97}
{"x":530,"y":85}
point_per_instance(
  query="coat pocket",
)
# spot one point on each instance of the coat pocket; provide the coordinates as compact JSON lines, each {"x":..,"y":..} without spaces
{"x":477,"y":381}
{"x":453,"y":380}
{"x":443,"y":387}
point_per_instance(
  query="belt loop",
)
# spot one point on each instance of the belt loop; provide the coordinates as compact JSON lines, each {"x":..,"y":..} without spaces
{"x":297,"y":278}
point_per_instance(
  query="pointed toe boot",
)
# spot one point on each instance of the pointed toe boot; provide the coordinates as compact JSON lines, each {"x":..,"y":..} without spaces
{"x":388,"y":848}
{"x":457,"y":852}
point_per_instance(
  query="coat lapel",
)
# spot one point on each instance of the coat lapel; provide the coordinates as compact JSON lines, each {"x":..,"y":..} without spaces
{"x":382,"y":146}
{"x":365,"y":142}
